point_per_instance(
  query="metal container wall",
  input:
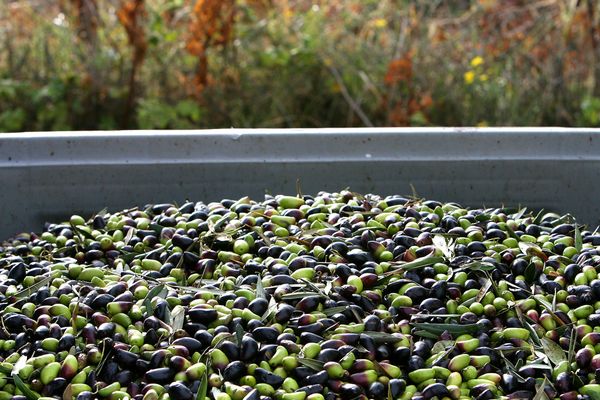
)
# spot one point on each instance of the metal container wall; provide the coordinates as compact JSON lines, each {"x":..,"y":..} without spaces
{"x":49,"y":176}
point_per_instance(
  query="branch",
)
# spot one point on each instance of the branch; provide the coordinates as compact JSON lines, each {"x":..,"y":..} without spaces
{"x":353,"y":104}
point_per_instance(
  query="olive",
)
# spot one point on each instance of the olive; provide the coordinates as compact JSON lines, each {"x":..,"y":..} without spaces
{"x":178,"y":390}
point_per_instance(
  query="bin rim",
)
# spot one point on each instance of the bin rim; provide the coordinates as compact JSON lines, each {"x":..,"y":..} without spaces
{"x":552,"y":130}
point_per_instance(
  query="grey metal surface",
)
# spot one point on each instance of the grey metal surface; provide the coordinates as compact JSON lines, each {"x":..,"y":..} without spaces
{"x":49,"y":176}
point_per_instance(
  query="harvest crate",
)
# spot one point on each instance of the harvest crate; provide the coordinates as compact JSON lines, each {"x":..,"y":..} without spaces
{"x":49,"y":176}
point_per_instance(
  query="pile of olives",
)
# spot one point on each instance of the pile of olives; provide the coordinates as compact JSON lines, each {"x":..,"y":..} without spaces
{"x":333,"y":296}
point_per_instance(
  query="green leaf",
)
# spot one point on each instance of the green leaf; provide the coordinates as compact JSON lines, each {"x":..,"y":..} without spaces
{"x":177,"y":318}
{"x":270,"y":310}
{"x":426,"y":334}
{"x":298,"y":295}
{"x":441,"y":243}
{"x":441,"y":346}
{"x":423,"y":315}
{"x":453,"y":329}
{"x":106,"y":353}
{"x":484,"y":289}
{"x":312,"y":364}
{"x":538,"y":217}
{"x":551,"y":215}
{"x":549,"y":307}
{"x":334,"y":310}
{"x":532,"y":249}
{"x":421,"y":263}
{"x":578,"y":239}
{"x":157,"y":291}
{"x":418,"y":263}
{"x":529,"y":273}
{"x":511,"y":233}
{"x":356,"y":315}
{"x":540,"y":394}
{"x":30,"y":394}
{"x":476,"y":266}
{"x":532,"y":333}
{"x":201,"y":395}
{"x":239,"y":334}
{"x":536,"y":366}
{"x":440,"y":356}
{"x":382,"y":337}
{"x":260,"y":290}
{"x":520,"y":214}
{"x":572,"y":344}
{"x":554,"y":352}
{"x":33,"y":288}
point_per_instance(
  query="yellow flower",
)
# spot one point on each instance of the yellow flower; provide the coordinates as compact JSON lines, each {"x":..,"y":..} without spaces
{"x":476,"y":61}
{"x":483,"y":77}
{"x":469,"y":77}
{"x":482,"y":124}
{"x":380,"y":23}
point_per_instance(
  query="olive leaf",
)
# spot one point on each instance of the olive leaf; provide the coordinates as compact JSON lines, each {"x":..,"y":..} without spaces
{"x":425,"y":316}
{"x":421,"y":262}
{"x":441,"y":346}
{"x":484,"y":289}
{"x":511,"y":233}
{"x":177,"y":318}
{"x":298,"y":295}
{"x":476,"y":266}
{"x":129,"y":236}
{"x":157,"y":291}
{"x":82,"y":232}
{"x":538,"y":217}
{"x":312,"y":364}
{"x":312,"y":286}
{"x":572,"y":344}
{"x":553,"y":351}
{"x":520,"y":213}
{"x":532,"y":249}
{"x":270,"y":310}
{"x":536,"y":365}
{"x":201,"y":395}
{"x":540,"y":394}
{"x":33,"y":288}
{"x":549,"y":307}
{"x":578,"y":239}
{"x":441,"y":243}
{"x":106,"y":350}
{"x":418,"y":263}
{"x":382,"y":337}
{"x":74,"y":317}
{"x":334,"y":310}
{"x":532,"y":333}
{"x":30,"y":394}
{"x":425,"y":334}
{"x":260,"y":290}
{"x":551,"y":215}
{"x":356,"y":315}
{"x":440,"y":356}
{"x":239,"y":334}
{"x":450,"y":328}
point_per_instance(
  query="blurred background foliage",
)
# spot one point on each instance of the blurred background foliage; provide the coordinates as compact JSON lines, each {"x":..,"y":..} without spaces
{"x":141,"y":64}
